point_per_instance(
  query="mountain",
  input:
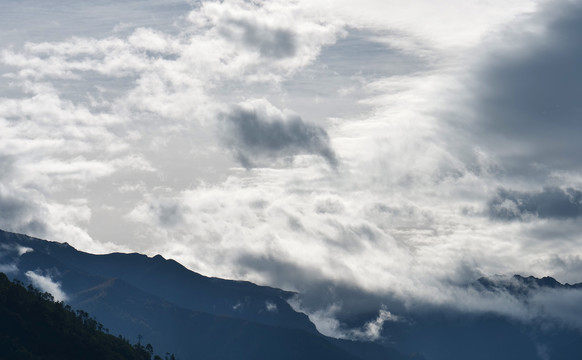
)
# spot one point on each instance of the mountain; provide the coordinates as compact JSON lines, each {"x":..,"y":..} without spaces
{"x":520,"y":286}
{"x":175,"y":309}
{"x":33,"y":326}
{"x":198,"y":317}
{"x":447,"y":333}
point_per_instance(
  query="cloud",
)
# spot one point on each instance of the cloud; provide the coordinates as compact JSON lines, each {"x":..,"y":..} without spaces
{"x":372,"y":330}
{"x":563,"y":304}
{"x":265,"y":40}
{"x":324,"y":319}
{"x":526,"y":89}
{"x":9,"y":254}
{"x":257,"y":131}
{"x":20,"y":212}
{"x":275,"y":43}
{"x":165,"y":212}
{"x":12,"y":208}
{"x":46,"y":284}
{"x":454,"y":26}
{"x":550,"y":203}
{"x":327,"y":323}
{"x":543,"y":300}
{"x":8,"y":249}
{"x":271,"y":307}
{"x":9,"y":268}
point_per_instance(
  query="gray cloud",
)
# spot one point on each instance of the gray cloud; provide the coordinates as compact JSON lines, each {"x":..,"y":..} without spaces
{"x":563,"y":304}
{"x":551,"y":202}
{"x":6,"y":165}
{"x":337,"y":308}
{"x":12,"y":208}
{"x":164,"y":213}
{"x":263,"y":133}
{"x":20,"y":213}
{"x":528,"y":93}
{"x":269,"y":42}
{"x":168,"y":213}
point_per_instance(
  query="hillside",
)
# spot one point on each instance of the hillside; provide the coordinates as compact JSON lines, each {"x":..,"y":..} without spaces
{"x":175,"y":309}
{"x":198,"y":317}
{"x":33,"y":326}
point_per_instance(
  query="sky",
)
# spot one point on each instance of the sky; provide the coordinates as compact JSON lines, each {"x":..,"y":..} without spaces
{"x":372,"y":155}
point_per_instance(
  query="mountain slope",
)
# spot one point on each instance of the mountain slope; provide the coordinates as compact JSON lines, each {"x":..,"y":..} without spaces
{"x":126,"y":309}
{"x":32,"y":326}
{"x":179,"y":285}
{"x":445,"y":333}
{"x":173,"y":308}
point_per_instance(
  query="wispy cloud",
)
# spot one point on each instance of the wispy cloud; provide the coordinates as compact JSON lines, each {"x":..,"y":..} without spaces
{"x":326,"y":321}
{"x":46,"y":284}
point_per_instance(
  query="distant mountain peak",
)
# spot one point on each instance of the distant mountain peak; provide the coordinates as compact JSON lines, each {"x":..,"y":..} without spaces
{"x":518,"y":285}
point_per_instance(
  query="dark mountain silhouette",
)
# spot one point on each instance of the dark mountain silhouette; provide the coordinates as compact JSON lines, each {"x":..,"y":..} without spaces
{"x":33,"y":326}
{"x":520,"y":286}
{"x":198,"y":317}
{"x":445,"y":333}
{"x":179,"y":285}
{"x":177,"y":310}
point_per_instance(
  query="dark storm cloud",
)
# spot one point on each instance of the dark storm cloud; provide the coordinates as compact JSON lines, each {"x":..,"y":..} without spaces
{"x":254,"y":135}
{"x":529,"y":101}
{"x":550,"y":203}
{"x":273,"y":43}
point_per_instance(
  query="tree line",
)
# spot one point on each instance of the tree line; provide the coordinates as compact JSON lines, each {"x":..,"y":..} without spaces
{"x":34,"y":326}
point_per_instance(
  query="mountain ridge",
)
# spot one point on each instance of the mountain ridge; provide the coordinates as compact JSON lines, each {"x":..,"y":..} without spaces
{"x":178,"y":310}
{"x":188,"y":314}
{"x":34,"y":327}
{"x":521,"y":286}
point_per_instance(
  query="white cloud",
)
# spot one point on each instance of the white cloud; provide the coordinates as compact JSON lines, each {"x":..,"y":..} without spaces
{"x":23,"y":250}
{"x":372,"y":330}
{"x":326,"y":322}
{"x":442,"y":26}
{"x":46,"y":284}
